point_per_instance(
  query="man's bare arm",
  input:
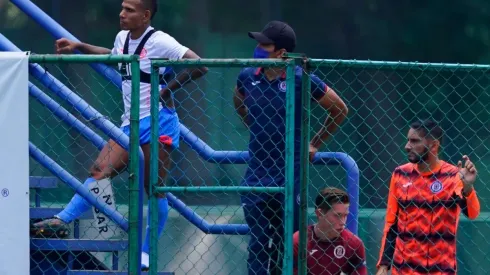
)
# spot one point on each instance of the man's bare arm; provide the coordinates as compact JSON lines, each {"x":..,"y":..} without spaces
{"x":64,"y":46}
{"x":241,"y":109}
{"x":91,"y":49}
{"x":187,"y":75}
{"x":338,"y":112}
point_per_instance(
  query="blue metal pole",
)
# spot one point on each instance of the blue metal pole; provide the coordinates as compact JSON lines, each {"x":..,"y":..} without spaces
{"x":202,"y":224}
{"x":66,"y":116}
{"x":57,"y":31}
{"x":208,"y":153}
{"x":87,"y":111}
{"x":350,"y":166}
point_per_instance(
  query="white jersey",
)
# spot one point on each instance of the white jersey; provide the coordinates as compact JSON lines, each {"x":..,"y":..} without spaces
{"x":159,"y":45}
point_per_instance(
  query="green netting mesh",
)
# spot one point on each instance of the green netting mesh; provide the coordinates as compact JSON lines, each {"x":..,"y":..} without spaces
{"x":383,"y":99}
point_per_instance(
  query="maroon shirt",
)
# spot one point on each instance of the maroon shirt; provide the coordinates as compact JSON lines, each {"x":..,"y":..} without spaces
{"x":344,"y":254}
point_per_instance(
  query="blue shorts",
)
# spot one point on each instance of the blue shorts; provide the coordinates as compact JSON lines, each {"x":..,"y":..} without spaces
{"x":169,"y":131}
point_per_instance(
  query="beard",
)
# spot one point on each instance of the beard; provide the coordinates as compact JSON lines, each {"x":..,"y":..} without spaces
{"x":419,"y":158}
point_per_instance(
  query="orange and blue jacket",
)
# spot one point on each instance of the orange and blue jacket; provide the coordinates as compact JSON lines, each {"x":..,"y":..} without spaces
{"x":422,"y":218}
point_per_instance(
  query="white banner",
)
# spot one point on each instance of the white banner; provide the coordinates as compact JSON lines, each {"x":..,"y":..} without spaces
{"x":14,"y":163}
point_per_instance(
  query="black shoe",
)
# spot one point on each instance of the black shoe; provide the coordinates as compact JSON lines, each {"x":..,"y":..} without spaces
{"x":50,"y":228}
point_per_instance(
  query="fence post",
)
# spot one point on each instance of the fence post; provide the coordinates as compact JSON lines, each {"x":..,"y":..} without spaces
{"x":153,"y":202}
{"x":135,"y":194}
{"x":289,"y":153}
{"x":305,"y":167}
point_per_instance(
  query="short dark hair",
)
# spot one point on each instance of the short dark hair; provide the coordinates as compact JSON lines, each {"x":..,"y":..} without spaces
{"x":330,"y":196}
{"x":429,"y":128}
{"x":150,"y":5}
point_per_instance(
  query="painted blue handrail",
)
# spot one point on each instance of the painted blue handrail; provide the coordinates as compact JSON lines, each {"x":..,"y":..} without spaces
{"x":88,"y":113}
{"x":241,"y":157}
{"x":49,"y":24}
{"x":66,"y":116}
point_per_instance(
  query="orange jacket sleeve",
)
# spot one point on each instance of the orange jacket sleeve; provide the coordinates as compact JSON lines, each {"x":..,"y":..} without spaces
{"x":390,"y":231}
{"x":470,"y":205}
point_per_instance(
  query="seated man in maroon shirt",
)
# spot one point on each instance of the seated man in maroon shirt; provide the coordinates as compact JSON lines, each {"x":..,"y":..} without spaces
{"x":331,"y":248}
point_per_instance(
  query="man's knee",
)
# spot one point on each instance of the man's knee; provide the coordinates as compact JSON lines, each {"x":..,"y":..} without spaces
{"x":100,"y":171}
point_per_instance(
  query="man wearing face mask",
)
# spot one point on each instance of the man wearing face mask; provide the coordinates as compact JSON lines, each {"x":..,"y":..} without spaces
{"x":425,"y":200}
{"x":331,"y":248}
{"x":260,"y":100}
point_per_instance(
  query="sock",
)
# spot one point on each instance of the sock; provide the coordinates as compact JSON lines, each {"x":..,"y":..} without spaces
{"x":76,"y":207}
{"x":162,"y":219}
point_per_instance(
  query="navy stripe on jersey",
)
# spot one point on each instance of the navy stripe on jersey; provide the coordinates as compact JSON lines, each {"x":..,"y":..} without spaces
{"x":429,"y":206}
{"x":431,"y":238}
{"x":424,"y":269}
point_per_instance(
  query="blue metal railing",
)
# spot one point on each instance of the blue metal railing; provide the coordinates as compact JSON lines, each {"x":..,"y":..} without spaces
{"x":241,"y":157}
{"x":88,"y":113}
{"x":66,"y":116}
{"x":49,"y":24}
{"x":206,"y":152}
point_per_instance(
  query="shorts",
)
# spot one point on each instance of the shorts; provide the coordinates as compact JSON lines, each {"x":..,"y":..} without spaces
{"x":169,"y":130}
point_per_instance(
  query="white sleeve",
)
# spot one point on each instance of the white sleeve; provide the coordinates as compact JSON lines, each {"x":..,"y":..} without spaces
{"x":117,"y":43}
{"x":167,"y":47}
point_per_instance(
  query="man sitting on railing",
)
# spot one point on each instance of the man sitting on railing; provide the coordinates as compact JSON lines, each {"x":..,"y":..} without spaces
{"x":139,"y":38}
{"x":260,"y":100}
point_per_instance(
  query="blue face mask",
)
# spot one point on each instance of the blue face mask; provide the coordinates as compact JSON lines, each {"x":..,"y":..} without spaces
{"x":261,"y":53}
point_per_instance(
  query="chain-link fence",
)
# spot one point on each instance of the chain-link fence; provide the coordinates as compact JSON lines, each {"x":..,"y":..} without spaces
{"x":384,"y":98}
{"x":207,"y":231}
{"x":211,"y":171}
{"x":203,"y":251}
{"x":71,"y":115}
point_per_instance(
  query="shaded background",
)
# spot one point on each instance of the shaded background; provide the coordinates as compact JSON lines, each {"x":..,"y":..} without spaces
{"x":382,"y":101}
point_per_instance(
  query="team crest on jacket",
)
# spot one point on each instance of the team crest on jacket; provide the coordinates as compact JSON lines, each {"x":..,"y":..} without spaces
{"x":436,"y":187}
{"x":282,"y":86}
{"x":339,"y":251}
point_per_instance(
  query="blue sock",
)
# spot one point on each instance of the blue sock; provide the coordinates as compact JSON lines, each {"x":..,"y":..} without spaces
{"x":162,"y":218}
{"x":76,"y":207}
